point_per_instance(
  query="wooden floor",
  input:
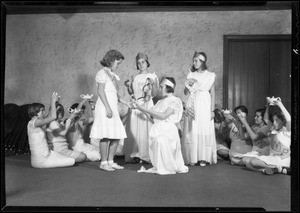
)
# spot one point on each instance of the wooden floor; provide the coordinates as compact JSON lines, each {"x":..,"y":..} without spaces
{"x":202,"y":188}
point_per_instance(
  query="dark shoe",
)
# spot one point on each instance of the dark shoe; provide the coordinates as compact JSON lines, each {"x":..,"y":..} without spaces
{"x":284,"y":170}
{"x":271,"y":171}
{"x":145,"y":162}
{"x":135,"y":160}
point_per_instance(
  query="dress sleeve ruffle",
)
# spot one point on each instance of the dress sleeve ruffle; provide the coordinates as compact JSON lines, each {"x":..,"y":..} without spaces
{"x":101,"y":77}
{"x":176,"y":105}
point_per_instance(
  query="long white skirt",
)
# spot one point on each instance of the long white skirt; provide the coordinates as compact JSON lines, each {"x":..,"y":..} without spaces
{"x":199,"y":140}
{"x":138,"y":127}
{"x":165,"y":149}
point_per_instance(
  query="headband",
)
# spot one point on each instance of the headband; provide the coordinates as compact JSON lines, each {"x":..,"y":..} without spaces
{"x":201,"y":57}
{"x":169,"y":83}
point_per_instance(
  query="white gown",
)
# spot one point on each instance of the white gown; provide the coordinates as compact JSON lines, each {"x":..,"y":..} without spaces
{"x":164,"y":142}
{"x":104,"y":127}
{"x":138,"y":125}
{"x":199,"y":141}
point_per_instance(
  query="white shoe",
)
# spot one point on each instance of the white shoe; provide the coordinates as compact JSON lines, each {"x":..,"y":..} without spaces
{"x":202,"y":163}
{"x":106,"y":167}
{"x":115,"y":166}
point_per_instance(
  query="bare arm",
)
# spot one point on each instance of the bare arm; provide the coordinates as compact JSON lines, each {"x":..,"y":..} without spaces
{"x":190,"y":82}
{"x":254,"y":136}
{"x":266,"y":117}
{"x":52,"y":116}
{"x":67,"y":125}
{"x":285,"y":113}
{"x":159,"y":115}
{"x":79,"y":107}
{"x":102,"y":95}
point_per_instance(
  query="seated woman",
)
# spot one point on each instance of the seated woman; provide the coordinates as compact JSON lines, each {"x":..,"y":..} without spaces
{"x":164,"y":142}
{"x":222,"y":134}
{"x":256,"y":133}
{"x":276,"y":157}
{"x":75,"y":135}
{"x":56,"y":133}
{"x":240,"y":141}
{"x":41,"y":155}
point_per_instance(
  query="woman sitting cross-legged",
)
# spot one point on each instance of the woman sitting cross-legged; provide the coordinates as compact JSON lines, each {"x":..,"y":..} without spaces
{"x":275,"y":158}
{"x":164,"y":142}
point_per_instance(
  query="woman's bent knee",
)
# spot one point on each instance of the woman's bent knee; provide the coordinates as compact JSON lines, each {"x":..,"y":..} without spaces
{"x":82,"y":157}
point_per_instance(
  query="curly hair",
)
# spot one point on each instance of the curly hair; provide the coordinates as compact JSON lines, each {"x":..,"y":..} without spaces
{"x":110,"y":57}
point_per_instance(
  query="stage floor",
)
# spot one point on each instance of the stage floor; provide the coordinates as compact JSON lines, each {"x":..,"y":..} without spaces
{"x":218,"y":186}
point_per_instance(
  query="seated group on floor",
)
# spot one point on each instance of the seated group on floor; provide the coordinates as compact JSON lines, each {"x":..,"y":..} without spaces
{"x":263,"y":147}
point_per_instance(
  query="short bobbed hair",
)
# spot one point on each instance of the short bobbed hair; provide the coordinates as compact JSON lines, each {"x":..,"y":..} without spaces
{"x":34,"y":109}
{"x":110,"y":57}
{"x":261,"y":111}
{"x":242,"y":108}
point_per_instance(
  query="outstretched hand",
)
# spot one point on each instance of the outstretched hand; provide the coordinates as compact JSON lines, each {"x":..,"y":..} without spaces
{"x":241,"y":117}
{"x":191,"y":81}
{"x":55,"y":97}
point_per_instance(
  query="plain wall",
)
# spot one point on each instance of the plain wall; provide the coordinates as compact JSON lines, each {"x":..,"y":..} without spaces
{"x":62,"y":52}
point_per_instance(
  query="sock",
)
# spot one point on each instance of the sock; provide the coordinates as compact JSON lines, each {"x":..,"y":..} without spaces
{"x":279,"y":169}
{"x":103,"y":162}
{"x":110,"y":162}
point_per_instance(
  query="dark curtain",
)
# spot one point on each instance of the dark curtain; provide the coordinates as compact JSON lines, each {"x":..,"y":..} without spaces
{"x":15,"y":128}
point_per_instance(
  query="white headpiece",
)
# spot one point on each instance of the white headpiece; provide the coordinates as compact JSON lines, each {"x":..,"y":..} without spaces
{"x":201,"y":57}
{"x":169,"y":83}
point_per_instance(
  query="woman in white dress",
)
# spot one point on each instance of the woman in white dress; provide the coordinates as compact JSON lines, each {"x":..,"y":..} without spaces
{"x":145,"y":86}
{"x":108,"y":128}
{"x":164,"y":142}
{"x":199,"y":142}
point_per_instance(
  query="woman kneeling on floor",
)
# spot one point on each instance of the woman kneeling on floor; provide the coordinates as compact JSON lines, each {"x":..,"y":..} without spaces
{"x":164,"y":142}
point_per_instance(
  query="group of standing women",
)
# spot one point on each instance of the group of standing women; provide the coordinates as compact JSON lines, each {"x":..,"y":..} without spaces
{"x":150,"y":132}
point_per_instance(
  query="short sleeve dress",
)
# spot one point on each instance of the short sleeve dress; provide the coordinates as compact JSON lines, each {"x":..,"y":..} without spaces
{"x":104,"y":127}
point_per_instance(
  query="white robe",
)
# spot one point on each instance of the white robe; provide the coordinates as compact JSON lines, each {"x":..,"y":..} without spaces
{"x":164,"y":142}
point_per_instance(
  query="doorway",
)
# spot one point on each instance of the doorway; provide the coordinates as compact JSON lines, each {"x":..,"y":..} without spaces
{"x":256,"y":67}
